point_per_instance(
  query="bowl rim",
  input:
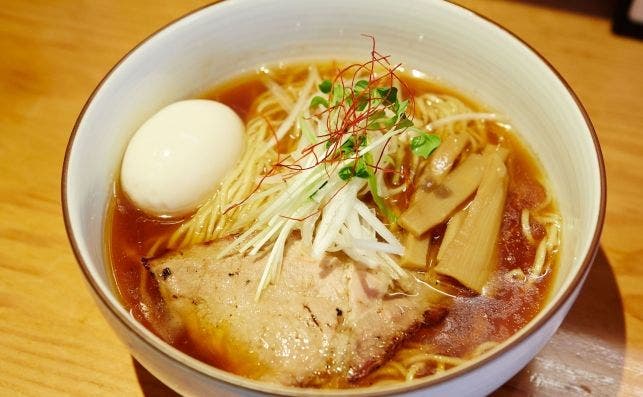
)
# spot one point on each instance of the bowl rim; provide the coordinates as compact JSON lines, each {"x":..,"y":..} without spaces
{"x":258,"y":386}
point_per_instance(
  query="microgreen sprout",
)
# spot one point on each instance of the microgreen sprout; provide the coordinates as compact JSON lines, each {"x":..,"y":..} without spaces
{"x":424,"y":144}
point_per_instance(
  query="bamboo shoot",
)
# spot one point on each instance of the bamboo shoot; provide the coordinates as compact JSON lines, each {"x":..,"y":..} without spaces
{"x":431,"y":208}
{"x":445,"y":155}
{"x":415,"y":251}
{"x":469,"y":257}
{"x":453,"y":226}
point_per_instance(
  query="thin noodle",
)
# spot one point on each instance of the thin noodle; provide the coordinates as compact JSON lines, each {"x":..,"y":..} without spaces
{"x":517,"y":275}
{"x":484,"y":347}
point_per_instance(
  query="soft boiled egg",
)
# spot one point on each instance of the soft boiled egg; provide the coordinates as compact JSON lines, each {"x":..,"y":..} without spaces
{"x":177,"y":158}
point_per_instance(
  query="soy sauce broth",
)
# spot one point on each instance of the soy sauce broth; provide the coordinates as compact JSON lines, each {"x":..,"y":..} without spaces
{"x":470,"y":321}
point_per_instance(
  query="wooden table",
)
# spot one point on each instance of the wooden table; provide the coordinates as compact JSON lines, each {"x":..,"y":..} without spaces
{"x":53,"y":341}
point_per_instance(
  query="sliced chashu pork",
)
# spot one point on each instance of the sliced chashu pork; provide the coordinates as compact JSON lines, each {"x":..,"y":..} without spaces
{"x":327,"y":322}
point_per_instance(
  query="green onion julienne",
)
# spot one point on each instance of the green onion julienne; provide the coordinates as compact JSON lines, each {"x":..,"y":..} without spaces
{"x":345,"y":130}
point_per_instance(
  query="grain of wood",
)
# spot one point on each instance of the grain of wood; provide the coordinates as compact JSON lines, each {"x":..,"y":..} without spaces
{"x":53,"y":340}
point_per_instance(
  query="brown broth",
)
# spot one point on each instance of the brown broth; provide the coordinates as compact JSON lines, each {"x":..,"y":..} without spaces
{"x":470,"y":321}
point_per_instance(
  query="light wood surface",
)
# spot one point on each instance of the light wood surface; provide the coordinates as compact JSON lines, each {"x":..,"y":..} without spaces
{"x":53,"y":341}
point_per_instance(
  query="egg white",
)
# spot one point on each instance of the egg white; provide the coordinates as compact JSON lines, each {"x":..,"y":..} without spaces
{"x":177,"y":158}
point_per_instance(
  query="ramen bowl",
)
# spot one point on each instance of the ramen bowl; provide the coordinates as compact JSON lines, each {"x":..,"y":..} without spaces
{"x":441,"y":39}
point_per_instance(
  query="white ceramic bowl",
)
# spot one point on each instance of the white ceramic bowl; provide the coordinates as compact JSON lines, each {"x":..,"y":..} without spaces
{"x":439,"y":38}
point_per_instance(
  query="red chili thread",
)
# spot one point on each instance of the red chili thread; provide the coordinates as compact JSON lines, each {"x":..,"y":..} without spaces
{"x":350,"y":123}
